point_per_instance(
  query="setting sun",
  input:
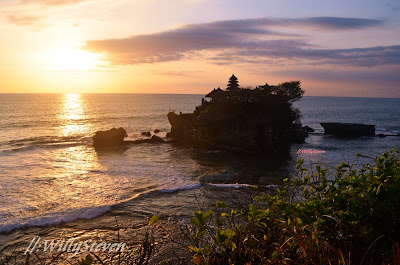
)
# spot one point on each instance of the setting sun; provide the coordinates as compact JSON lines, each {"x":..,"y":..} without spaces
{"x":70,"y":59}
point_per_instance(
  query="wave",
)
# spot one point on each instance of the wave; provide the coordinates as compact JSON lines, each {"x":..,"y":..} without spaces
{"x":44,"y":140}
{"x":190,"y":186}
{"x":92,"y":212}
{"x":197,"y":185}
{"x":239,"y":185}
{"x":55,"y":218}
{"x":28,"y":148}
{"x":84,"y":213}
{"x":27,"y":144}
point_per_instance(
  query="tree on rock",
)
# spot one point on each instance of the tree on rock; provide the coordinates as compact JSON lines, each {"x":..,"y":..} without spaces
{"x":290,"y":91}
{"x":233,"y":84}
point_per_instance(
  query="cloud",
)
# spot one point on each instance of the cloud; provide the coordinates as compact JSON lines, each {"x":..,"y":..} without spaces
{"x":250,"y":40}
{"x":337,"y":22}
{"x":390,"y":76}
{"x":23,"y":20}
{"x":178,"y":73}
{"x":52,"y":2}
{"x":394,"y":7}
{"x":371,"y":56}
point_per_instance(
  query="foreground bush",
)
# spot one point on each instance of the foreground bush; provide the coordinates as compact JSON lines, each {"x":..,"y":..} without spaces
{"x":352,"y":217}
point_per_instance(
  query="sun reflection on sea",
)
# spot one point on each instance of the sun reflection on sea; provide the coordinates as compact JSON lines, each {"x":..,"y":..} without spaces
{"x":73,"y":116}
{"x":76,"y":181}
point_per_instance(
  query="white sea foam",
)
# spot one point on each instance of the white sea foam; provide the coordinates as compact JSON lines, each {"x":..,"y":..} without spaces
{"x":54,"y":218}
{"x":190,"y":186}
{"x":237,"y":185}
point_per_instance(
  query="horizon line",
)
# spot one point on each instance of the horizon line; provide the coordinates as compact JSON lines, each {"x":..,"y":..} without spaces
{"x":133,"y":93}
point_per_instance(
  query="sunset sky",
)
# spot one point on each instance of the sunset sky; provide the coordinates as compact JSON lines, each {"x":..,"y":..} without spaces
{"x":336,"y":48}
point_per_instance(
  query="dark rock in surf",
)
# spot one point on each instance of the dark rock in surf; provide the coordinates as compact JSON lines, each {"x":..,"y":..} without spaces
{"x":345,"y":130}
{"x":146,"y":134}
{"x":308,"y":129}
{"x":153,"y":140}
{"x":297,"y":133}
{"x":156,"y":139}
{"x":111,"y":138}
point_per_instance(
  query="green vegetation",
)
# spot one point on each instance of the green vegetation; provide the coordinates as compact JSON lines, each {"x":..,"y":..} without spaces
{"x":352,"y":217}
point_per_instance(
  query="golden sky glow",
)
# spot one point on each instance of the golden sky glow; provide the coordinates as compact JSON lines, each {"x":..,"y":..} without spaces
{"x":337,"y":48}
{"x":69,"y":59}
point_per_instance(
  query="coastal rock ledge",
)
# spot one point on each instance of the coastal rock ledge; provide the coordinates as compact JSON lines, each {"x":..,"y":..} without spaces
{"x":115,"y":138}
{"x":348,"y":129}
{"x":111,"y":138}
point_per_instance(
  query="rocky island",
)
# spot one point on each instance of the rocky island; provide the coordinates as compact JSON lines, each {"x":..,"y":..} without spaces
{"x":260,"y":119}
{"x":251,"y":120}
{"x":115,"y":138}
{"x":348,"y":130}
{"x":242,"y":119}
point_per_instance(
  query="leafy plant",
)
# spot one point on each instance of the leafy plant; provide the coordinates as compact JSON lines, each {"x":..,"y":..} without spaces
{"x":351,"y":218}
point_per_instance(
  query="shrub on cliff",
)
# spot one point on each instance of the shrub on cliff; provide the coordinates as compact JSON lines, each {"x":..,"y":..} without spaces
{"x":288,"y":91}
{"x":272,"y":101}
{"x":351,"y":218}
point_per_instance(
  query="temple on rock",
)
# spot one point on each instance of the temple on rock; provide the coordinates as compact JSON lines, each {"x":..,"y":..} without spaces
{"x":244,"y":119}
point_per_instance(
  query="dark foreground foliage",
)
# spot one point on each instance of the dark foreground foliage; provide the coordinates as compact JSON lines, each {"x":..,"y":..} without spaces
{"x":352,"y":217}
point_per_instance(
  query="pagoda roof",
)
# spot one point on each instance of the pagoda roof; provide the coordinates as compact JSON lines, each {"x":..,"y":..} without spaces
{"x":215,"y":93}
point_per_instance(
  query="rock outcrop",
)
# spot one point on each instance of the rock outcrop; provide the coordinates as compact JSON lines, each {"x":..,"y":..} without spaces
{"x":115,"y":138}
{"x":181,"y":126}
{"x":345,"y":130}
{"x":297,"y":133}
{"x":156,"y":139}
{"x":153,"y":140}
{"x":148,"y":134}
{"x":308,"y":129}
{"x":111,"y":138}
{"x":244,"y":120}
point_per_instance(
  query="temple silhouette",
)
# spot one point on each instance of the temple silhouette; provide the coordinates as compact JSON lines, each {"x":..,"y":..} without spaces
{"x":243,"y":119}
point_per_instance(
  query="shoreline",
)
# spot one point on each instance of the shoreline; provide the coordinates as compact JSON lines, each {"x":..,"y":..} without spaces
{"x":132,"y":218}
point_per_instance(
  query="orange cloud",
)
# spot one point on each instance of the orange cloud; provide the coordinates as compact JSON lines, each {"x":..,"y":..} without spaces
{"x":23,"y":20}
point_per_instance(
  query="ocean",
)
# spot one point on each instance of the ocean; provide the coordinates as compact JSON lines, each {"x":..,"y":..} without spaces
{"x":52,"y":181}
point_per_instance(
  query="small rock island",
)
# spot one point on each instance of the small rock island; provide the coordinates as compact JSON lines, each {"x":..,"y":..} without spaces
{"x":348,"y":130}
{"x":242,"y":119}
{"x":110,"y":138}
{"x":115,"y":138}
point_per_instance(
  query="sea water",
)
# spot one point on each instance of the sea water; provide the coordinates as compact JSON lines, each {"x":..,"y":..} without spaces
{"x":51,"y":174}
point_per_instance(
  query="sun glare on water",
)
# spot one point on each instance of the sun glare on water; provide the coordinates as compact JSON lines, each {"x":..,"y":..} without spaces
{"x":71,"y":59}
{"x":72,"y":115}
